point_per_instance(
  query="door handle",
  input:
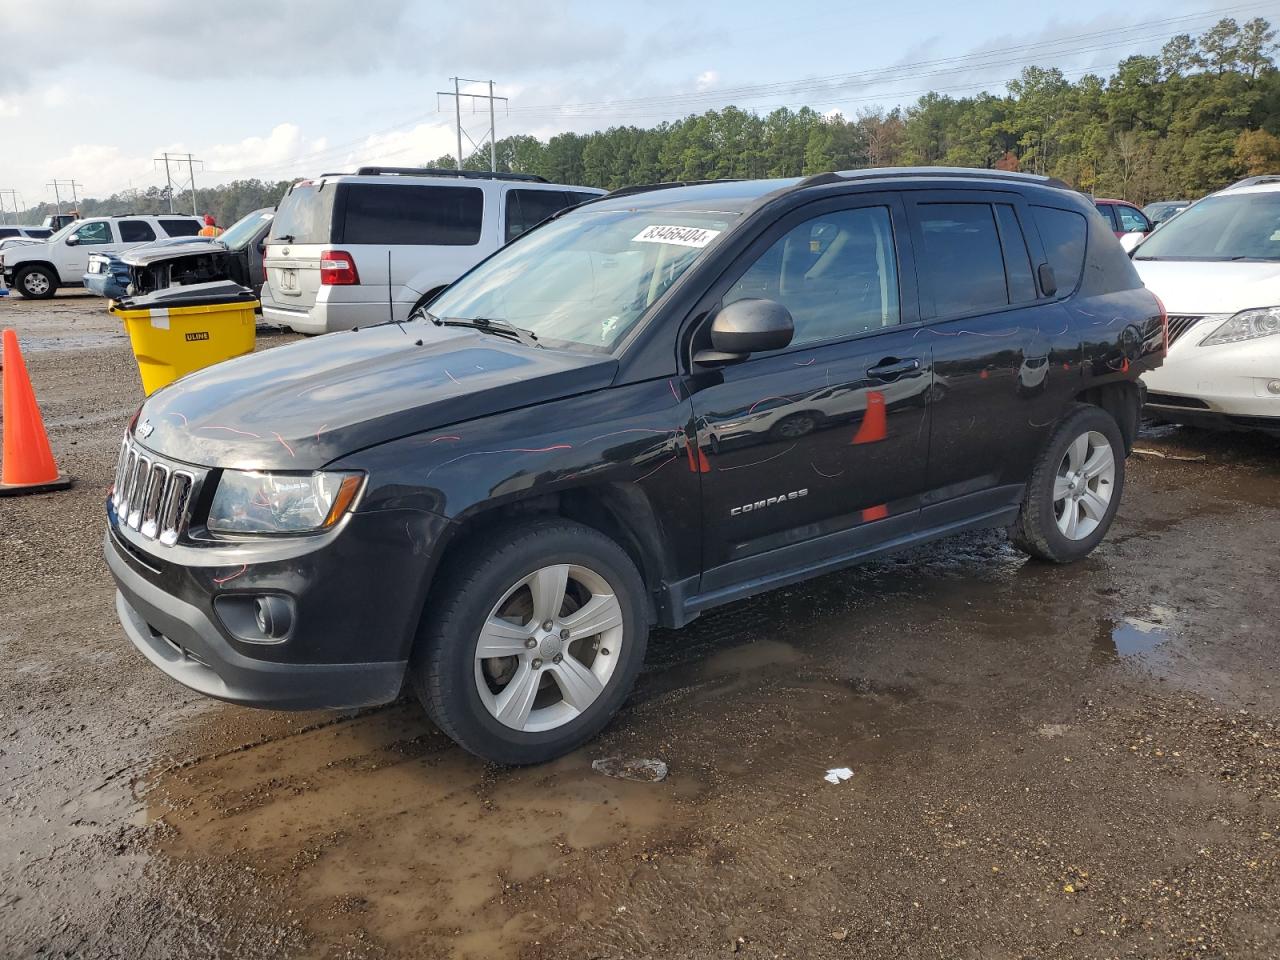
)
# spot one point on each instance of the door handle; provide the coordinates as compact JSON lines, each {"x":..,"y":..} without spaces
{"x":891,"y":367}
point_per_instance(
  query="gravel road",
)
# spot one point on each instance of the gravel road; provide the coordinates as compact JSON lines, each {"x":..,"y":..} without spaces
{"x":1047,"y":762}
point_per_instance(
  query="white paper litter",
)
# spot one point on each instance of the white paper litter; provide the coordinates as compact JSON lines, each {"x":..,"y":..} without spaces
{"x":836,"y":774}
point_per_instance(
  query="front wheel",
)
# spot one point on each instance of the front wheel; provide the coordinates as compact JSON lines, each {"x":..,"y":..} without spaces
{"x":1074,"y":490}
{"x":531,"y":643}
{"x":35,"y":283}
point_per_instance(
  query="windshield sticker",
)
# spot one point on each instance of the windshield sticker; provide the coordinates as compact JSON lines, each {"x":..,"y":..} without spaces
{"x":680,"y":236}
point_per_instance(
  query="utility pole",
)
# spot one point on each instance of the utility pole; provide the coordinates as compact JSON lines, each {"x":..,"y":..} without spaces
{"x":58,"y":185}
{"x":13,"y":201}
{"x":188,"y":183}
{"x":457,"y":95}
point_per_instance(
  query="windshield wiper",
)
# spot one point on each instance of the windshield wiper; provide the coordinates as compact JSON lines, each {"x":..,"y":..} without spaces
{"x":488,"y":325}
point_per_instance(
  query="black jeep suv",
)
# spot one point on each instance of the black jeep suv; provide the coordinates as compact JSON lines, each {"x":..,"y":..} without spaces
{"x":657,"y":402}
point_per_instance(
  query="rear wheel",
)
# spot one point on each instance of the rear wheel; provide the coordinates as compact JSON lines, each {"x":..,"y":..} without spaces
{"x":1074,"y":492}
{"x":36,"y":283}
{"x":532,"y":642}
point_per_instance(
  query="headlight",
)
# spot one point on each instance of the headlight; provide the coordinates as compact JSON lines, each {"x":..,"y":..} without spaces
{"x":250,"y":502}
{"x":1246,"y":325}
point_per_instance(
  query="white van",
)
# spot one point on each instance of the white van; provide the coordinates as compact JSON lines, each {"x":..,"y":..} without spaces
{"x":347,"y":250}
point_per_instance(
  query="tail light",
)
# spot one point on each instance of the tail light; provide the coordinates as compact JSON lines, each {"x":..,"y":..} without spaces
{"x":337,"y":268}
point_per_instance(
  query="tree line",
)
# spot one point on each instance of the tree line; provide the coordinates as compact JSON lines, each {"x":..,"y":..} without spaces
{"x":1200,"y":114}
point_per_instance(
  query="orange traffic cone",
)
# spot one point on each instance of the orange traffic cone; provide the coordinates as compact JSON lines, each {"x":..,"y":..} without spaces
{"x":27,"y":463}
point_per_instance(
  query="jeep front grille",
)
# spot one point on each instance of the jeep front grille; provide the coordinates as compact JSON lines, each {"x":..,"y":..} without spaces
{"x":150,"y":496}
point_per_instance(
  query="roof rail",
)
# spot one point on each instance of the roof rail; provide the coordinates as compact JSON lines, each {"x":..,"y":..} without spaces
{"x":665,"y":185}
{"x":446,"y":172}
{"x":1254,"y":181}
{"x":974,"y":173}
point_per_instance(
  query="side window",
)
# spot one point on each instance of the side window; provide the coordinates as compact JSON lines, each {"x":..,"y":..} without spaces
{"x":1017,"y":261}
{"x":180,"y":228}
{"x":577,"y":196}
{"x":408,"y":214}
{"x":98,"y":231}
{"x":39,"y":233}
{"x":1132,"y":220}
{"x":528,"y":208}
{"x":8,"y":232}
{"x":1108,"y":214}
{"x":962,"y":258}
{"x":837,"y":274}
{"x":1062,"y":232}
{"x":136,"y":231}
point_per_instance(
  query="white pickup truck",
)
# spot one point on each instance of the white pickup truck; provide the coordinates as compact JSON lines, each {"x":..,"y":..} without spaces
{"x":37,"y":270}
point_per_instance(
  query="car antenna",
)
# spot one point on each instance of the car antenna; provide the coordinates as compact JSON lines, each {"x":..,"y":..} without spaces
{"x":391,"y":310}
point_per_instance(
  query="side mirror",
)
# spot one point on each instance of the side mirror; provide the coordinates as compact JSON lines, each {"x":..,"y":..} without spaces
{"x":745,"y":327}
{"x":1130,"y":240}
{"x":73,"y":240}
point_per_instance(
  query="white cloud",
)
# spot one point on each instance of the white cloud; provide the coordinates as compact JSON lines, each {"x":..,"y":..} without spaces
{"x":706,"y":80}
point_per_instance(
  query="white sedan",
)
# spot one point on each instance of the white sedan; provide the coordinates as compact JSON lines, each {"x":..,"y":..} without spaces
{"x":1216,"y":268}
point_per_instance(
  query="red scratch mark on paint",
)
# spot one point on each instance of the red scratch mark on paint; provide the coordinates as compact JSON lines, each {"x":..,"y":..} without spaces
{"x":752,"y":408}
{"x":452,"y":377}
{"x":829,"y":476}
{"x":447,"y":436}
{"x":874,"y":427}
{"x":175,"y":413}
{"x":878,"y":512}
{"x":618,"y":433}
{"x":490,"y":453}
{"x":230,"y":577}
{"x":321,"y":430}
{"x":674,"y":392}
{"x":658,"y":467}
{"x":756,"y":463}
{"x":243,"y":433}
{"x":808,"y":363}
{"x":285,"y":444}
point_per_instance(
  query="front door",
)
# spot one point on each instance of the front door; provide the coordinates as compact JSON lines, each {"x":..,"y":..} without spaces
{"x":805,"y":447}
{"x":96,"y":236}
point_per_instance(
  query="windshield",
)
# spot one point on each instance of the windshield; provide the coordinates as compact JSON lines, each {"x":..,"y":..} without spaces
{"x":64,"y":231}
{"x":241,"y":232}
{"x":1240,"y":226}
{"x":585,"y":279}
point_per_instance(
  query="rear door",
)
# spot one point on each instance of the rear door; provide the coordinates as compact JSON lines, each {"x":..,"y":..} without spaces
{"x":821,"y":446}
{"x":1004,"y":354}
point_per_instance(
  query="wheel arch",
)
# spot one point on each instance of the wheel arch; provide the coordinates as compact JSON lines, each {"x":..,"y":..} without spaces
{"x":621,"y":512}
{"x":46,"y":264}
{"x":1122,"y":399}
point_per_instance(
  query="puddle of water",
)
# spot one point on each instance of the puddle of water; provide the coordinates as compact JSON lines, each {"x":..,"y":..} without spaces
{"x":1133,"y":638}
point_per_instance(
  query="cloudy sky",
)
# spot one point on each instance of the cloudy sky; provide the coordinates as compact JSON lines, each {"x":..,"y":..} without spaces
{"x":286,"y":88}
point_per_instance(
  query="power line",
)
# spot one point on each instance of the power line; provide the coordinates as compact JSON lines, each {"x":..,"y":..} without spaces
{"x":457,"y":113}
{"x":178,"y":159}
{"x":59,"y":185}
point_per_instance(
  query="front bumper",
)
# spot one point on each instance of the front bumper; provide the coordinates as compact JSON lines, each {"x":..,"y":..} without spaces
{"x":1222,"y":383}
{"x":106,"y":285}
{"x":357,"y":598}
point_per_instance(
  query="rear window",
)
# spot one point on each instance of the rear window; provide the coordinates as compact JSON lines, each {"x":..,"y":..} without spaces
{"x":305,"y":215}
{"x":528,"y":208}
{"x":180,"y":228}
{"x":1063,"y":235}
{"x":962,"y":258}
{"x":136,"y":231}
{"x":409,"y":214}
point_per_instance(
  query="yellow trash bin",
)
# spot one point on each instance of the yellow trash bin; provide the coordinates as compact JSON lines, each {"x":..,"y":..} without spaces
{"x":180,"y":329}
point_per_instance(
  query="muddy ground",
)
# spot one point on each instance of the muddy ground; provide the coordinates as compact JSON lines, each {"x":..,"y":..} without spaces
{"x":1047,"y":762}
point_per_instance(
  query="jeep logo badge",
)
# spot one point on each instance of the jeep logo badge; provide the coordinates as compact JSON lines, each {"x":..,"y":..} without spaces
{"x":145,"y":429}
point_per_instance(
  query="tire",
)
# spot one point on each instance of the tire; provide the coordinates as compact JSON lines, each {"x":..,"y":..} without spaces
{"x":35,"y":283}
{"x":1044,"y":528}
{"x":486,"y":584}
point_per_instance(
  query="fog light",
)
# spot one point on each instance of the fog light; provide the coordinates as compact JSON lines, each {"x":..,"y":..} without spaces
{"x":1273,"y":387}
{"x":273,"y":616}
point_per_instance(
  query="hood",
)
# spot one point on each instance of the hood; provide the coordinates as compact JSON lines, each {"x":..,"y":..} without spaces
{"x":1200,"y":287}
{"x":173,"y":247}
{"x":301,"y":406}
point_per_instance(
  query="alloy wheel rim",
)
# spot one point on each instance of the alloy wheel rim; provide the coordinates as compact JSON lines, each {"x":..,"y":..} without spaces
{"x":548,"y":648}
{"x":35,"y":283}
{"x":1084,"y":485}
